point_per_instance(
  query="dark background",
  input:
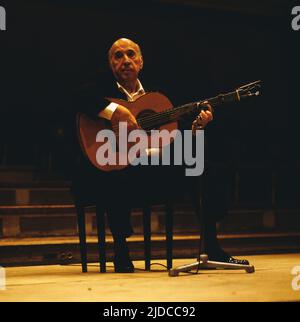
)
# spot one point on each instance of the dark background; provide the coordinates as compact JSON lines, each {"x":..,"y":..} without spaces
{"x":191,"y":50}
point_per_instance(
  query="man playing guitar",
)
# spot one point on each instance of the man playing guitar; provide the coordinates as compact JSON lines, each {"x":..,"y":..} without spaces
{"x":126,"y":62}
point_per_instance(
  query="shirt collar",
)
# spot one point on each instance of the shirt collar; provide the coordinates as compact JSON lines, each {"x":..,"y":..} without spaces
{"x":131,"y":97}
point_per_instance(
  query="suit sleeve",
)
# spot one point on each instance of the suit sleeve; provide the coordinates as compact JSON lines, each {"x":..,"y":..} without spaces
{"x":89,"y":99}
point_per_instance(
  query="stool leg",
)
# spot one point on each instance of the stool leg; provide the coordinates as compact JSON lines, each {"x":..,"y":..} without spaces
{"x":169,"y":235}
{"x":100,"y":213}
{"x":82,"y":236}
{"x":147,"y":236}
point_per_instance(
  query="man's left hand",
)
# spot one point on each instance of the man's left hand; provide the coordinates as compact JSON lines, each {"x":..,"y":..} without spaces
{"x":202,"y":119}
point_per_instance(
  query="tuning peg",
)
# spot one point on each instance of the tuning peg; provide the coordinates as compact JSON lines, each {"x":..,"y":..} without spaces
{"x":253,"y":94}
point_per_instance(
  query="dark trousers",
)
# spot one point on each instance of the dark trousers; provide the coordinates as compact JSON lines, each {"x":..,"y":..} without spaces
{"x":119,"y":191}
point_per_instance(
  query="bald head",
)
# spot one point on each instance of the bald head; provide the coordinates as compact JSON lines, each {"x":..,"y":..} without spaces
{"x":121,"y":43}
{"x":125,"y":60}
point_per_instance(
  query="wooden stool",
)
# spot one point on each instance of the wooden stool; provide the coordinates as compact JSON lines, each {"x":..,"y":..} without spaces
{"x":100,"y":215}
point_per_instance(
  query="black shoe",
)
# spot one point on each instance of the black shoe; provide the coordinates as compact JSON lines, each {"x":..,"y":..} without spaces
{"x":233,"y":260}
{"x":222,"y":256}
{"x":123,"y":267}
{"x":122,"y":261}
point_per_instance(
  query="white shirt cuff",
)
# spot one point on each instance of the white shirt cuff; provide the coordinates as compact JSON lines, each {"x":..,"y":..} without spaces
{"x":108,"y":111}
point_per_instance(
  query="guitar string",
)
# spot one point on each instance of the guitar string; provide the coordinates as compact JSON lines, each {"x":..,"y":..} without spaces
{"x":212,"y":101}
{"x":149,"y":121}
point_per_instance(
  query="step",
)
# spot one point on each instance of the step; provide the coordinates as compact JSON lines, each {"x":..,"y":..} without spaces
{"x":253,"y":187}
{"x":28,"y":174}
{"x":16,"y":174}
{"x":45,"y":220}
{"x":61,"y":220}
{"x":57,"y":250}
{"x":35,"y":192}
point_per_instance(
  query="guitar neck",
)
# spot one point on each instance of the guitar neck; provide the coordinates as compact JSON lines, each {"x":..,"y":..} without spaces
{"x":174,"y":114}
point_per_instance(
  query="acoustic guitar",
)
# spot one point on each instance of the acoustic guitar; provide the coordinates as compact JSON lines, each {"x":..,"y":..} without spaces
{"x":152,"y":111}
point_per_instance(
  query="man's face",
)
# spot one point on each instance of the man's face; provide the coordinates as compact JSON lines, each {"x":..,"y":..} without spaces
{"x":125,"y":60}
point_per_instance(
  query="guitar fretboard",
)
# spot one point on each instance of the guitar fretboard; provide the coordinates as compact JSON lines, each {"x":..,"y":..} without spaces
{"x":174,"y":114}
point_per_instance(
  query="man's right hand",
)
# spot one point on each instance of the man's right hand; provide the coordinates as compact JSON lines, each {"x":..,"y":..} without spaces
{"x":122,"y":114}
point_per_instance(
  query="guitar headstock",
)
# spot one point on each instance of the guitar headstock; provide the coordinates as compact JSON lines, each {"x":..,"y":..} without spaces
{"x":251,"y":89}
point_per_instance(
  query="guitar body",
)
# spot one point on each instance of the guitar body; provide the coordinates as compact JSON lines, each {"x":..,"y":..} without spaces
{"x":145,"y":106}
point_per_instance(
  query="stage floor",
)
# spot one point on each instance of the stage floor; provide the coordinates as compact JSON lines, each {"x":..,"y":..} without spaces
{"x":272,"y":281}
